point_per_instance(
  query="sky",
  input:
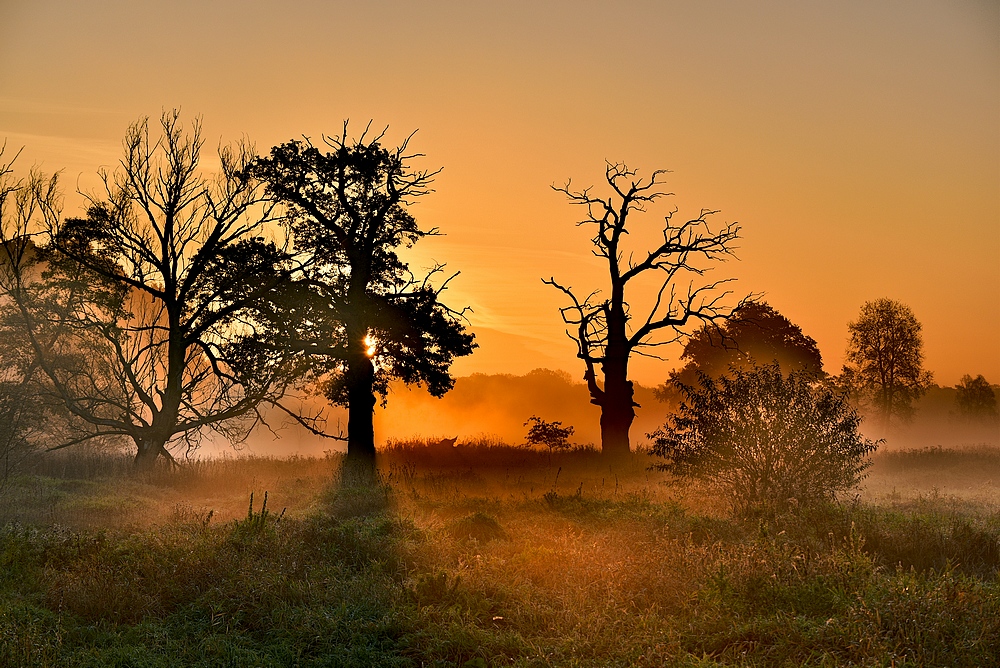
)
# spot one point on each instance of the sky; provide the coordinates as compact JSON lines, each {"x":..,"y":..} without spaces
{"x":856,"y":143}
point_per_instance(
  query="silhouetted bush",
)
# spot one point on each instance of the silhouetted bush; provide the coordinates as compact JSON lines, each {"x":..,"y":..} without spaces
{"x":767,"y":440}
{"x":552,"y":435}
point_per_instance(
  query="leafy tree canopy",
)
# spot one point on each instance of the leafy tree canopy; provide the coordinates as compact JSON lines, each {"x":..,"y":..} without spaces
{"x":885,"y":358}
{"x":755,"y":335}
{"x":976,"y":398}
{"x":355,"y":309}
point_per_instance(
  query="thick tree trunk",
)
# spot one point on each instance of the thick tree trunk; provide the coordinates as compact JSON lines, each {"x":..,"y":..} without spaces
{"x":360,"y":380}
{"x":616,"y":399}
{"x":617,"y":410}
{"x":361,"y":407}
{"x":615,"y":424}
{"x":147,"y":452}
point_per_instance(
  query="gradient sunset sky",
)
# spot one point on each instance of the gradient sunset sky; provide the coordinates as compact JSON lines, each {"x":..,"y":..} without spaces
{"x":858,"y":143}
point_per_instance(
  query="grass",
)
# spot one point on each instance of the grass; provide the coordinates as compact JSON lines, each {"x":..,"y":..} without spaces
{"x":483,"y":555}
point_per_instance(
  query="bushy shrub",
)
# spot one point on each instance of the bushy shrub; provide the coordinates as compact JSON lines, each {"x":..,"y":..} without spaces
{"x":767,"y":440}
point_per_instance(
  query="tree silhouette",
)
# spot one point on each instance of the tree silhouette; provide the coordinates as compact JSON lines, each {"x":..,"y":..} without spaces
{"x":885,"y":359}
{"x":756,"y":335}
{"x":602,"y":326}
{"x":139,"y":314}
{"x":356,"y":312}
{"x":976,"y":398}
{"x":30,"y":417}
{"x":550,"y":434}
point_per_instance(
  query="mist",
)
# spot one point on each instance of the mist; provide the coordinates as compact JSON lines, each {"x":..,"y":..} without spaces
{"x":496,"y":406}
{"x":491,"y":406}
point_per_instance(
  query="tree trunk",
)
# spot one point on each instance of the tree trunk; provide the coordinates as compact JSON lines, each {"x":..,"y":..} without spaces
{"x":617,"y":409}
{"x":361,"y":407}
{"x":147,"y":452}
{"x":617,"y":412}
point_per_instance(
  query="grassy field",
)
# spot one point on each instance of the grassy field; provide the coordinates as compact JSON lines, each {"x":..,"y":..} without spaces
{"x":491,"y":556}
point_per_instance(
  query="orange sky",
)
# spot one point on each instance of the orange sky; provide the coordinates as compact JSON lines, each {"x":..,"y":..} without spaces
{"x":858,"y":143}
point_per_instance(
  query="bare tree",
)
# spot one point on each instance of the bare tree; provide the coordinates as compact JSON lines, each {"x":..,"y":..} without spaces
{"x":143,"y":318}
{"x":601,"y":323}
{"x":23,"y":413}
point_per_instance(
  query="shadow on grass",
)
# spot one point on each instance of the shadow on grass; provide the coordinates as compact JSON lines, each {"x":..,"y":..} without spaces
{"x":560,"y":578}
{"x":264,"y":590}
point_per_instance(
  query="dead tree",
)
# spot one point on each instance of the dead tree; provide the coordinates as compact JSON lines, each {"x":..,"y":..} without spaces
{"x":601,"y":324}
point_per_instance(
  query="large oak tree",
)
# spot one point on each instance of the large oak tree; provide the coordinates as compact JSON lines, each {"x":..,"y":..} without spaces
{"x":356,"y":313}
{"x":140,"y":314}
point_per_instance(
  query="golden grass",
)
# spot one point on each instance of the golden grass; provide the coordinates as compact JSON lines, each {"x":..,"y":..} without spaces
{"x":490,"y":555}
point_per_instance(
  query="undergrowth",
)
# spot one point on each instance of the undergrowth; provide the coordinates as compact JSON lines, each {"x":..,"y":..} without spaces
{"x":432,"y":569}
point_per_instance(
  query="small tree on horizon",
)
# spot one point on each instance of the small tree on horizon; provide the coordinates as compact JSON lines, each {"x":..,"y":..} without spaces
{"x":976,"y":398}
{"x":885,"y":357}
{"x":550,"y":434}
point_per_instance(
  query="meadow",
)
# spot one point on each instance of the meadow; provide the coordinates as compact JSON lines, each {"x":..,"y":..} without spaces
{"x":491,"y":555}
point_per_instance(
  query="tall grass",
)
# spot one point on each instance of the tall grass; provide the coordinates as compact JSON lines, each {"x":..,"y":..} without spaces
{"x":514,"y":562}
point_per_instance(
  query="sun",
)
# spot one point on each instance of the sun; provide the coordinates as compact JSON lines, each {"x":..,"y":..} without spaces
{"x":371,"y":345}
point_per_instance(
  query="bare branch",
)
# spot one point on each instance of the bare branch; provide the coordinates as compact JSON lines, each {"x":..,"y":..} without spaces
{"x":603,"y":329}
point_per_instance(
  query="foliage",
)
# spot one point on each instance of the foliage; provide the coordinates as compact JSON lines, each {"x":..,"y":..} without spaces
{"x":605,"y":331}
{"x":550,"y":434}
{"x":767,"y":440}
{"x":976,"y":398}
{"x":356,"y":312}
{"x":885,"y":359}
{"x":756,"y":334}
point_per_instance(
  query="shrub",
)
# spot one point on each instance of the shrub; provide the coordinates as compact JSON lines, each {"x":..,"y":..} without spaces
{"x":767,"y":440}
{"x":552,"y":435}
